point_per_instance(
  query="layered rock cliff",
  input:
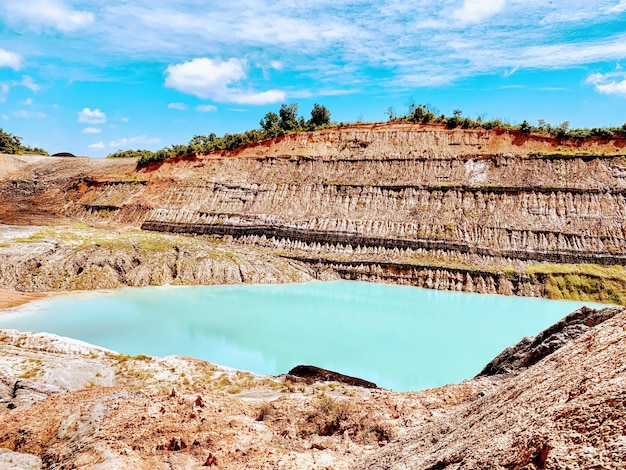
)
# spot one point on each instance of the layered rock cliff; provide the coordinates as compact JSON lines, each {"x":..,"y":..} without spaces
{"x":476,"y":210}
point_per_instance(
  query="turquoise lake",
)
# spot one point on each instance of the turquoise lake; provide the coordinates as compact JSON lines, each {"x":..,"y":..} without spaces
{"x":403,"y":338}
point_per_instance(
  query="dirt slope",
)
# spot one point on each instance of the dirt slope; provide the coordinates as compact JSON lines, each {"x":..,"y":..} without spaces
{"x":113,"y":411}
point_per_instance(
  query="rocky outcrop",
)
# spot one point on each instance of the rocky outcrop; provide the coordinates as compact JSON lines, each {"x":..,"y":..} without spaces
{"x":81,"y":258}
{"x":77,"y":405}
{"x":317,"y":374}
{"x":563,"y":411}
{"x":495,"y":202}
{"x":529,"y":351}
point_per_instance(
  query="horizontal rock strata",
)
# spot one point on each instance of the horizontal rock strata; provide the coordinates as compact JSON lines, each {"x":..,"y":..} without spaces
{"x":504,"y":200}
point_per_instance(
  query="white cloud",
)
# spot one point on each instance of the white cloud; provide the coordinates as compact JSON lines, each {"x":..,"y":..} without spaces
{"x":474,"y":11}
{"x":136,"y":140}
{"x":5,"y":117}
{"x":265,"y":97}
{"x":125,"y":119}
{"x":46,"y":13}
{"x":91,"y":130}
{"x":97,"y":146}
{"x":28,"y":101}
{"x":92,"y":117}
{"x":28,"y":82}
{"x":613,"y":83}
{"x":179,"y":106}
{"x":4,"y":91}
{"x":22,"y":113}
{"x":620,"y":7}
{"x":557,"y":56}
{"x":276,"y":65}
{"x":206,"y":108}
{"x":10,"y":59}
{"x":206,"y":78}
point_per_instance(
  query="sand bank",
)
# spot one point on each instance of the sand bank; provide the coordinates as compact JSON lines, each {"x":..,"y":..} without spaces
{"x":12,"y":298}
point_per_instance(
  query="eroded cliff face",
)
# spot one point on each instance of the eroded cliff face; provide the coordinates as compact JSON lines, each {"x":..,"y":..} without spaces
{"x":475,"y":210}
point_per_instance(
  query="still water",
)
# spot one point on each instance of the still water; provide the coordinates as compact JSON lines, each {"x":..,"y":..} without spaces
{"x":403,"y":338}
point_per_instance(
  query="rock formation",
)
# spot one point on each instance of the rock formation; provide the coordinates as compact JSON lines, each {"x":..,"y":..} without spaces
{"x":474,"y":210}
{"x":563,"y":410}
{"x":460,"y":209}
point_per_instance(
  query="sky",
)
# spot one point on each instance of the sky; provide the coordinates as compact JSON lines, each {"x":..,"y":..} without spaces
{"x":92,"y":77}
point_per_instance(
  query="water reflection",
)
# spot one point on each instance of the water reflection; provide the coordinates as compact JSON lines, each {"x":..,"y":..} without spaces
{"x":399,"y":337}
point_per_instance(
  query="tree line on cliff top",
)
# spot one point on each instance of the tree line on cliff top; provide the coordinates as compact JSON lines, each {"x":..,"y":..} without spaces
{"x":286,"y":121}
{"x":426,"y":114}
{"x":12,"y":144}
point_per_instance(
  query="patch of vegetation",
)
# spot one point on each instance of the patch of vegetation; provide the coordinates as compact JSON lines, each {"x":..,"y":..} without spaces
{"x":265,"y":410}
{"x":33,"y":371}
{"x":424,"y":113}
{"x":616,"y":272}
{"x":35,"y":237}
{"x":585,"y":288}
{"x":586,"y":282}
{"x":131,"y":154}
{"x":287,"y":121}
{"x":12,"y":144}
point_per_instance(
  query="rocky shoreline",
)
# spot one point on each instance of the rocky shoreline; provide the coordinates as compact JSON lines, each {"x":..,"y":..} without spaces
{"x":556,"y":401}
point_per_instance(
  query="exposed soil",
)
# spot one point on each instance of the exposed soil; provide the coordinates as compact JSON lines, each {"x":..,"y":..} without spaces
{"x":473,"y":210}
{"x":70,"y":405}
{"x":458,"y":209}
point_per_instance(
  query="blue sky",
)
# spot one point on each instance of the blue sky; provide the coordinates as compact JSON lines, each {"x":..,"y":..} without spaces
{"x":91,"y":77}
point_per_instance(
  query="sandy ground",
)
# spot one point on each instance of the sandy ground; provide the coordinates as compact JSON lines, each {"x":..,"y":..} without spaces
{"x":12,"y":298}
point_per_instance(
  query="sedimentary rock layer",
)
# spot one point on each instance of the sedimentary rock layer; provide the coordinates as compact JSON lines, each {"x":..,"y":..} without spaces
{"x":504,"y":200}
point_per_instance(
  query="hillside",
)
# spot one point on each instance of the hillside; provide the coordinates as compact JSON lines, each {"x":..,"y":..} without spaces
{"x":477,"y":210}
{"x":559,"y":404}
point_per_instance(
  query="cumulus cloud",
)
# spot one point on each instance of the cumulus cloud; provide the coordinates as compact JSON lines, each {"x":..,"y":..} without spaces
{"x":28,"y":82}
{"x":5,"y":117}
{"x":97,"y":146}
{"x":206,"y":108}
{"x":91,"y":130}
{"x":217,"y":80}
{"x":613,"y":83}
{"x":46,"y":13}
{"x":10,"y":59}
{"x":92,"y":117}
{"x":474,"y":11}
{"x":204,"y":77}
{"x":179,"y":106}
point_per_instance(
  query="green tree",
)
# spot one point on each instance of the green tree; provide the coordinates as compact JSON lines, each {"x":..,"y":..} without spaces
{"x":12,"y":144}
{"x":422,"y":113}
{"x":525,"y":127}
{"x":320,"y":116}
{"x":563,"y":129}
{"x":9,"y":143}
{"x":270,"y":126}
{"x":289,"y":117}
